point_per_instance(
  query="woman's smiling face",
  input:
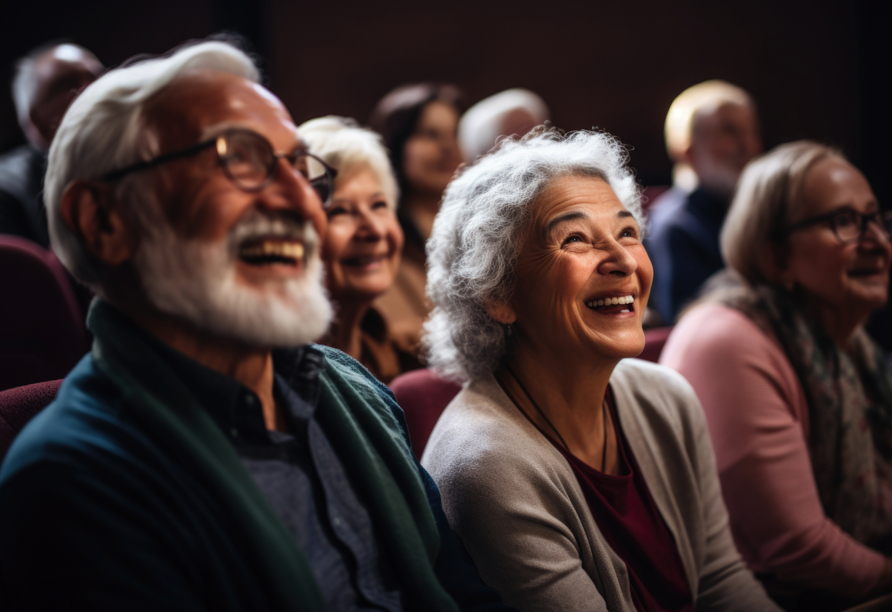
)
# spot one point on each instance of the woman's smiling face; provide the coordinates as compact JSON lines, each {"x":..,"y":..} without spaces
{"x":846,"y":282}
{"x":362,"y":245}
{"x":583,"y":276}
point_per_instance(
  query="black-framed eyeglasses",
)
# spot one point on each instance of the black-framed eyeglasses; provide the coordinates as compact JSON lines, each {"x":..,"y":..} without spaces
{"x":848,"y":225}
{"x":249,"y":161}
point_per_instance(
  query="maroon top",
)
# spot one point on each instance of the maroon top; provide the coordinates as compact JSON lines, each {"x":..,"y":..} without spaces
{"x":630,"y":522}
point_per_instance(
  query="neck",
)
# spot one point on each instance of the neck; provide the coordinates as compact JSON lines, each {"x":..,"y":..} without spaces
{"x":570,"y":400}
{"x":251,"y":366}
{"x":841,"y":326}
{"x":345,"y":332}
{"x":421,"y":208}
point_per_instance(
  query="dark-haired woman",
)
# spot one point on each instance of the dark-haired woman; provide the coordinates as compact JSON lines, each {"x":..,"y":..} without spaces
{"x":419,"y":124}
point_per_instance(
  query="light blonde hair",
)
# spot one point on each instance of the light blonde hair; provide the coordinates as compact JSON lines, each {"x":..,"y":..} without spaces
{"x":703,"y":97}
{"x":768,"y":196}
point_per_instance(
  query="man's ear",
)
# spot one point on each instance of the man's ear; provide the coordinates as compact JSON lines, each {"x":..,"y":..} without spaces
{"x":501,"y":313}
{"x":92,"y":213}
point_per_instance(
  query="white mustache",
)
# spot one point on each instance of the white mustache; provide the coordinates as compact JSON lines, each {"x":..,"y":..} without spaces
{"x":256,"y":224}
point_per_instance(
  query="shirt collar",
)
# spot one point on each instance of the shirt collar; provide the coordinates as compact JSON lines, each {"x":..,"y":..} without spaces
{"x":235,"y":408}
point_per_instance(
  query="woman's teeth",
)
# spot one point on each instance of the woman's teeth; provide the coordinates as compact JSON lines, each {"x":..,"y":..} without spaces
{"x":626,"y":299}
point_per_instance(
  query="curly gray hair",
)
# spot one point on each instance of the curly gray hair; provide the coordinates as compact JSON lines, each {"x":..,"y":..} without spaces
{"x":476,"y":237}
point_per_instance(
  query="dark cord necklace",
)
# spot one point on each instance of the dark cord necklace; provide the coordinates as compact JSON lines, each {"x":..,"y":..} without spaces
{"x":554,"y":429}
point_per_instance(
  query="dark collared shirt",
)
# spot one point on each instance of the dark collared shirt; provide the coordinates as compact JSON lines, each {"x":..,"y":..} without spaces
{"x":300,"y":475}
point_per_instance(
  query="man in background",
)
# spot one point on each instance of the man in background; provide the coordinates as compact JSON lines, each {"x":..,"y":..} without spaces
{"x":45,"y":82}
{"x":206,"y":455}
{"x":712,"y":132}
{"x":513,"y":111}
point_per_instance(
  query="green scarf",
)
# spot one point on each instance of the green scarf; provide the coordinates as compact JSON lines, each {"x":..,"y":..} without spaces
{"x":360,"y":426}
{"x":849,"y":395}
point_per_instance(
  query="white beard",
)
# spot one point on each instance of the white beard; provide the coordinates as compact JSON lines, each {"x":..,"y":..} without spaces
{"x":197,"y":281}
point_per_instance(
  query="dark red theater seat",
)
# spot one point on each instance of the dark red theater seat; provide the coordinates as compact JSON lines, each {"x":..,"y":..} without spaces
{"x":19,"y":405}
{"x":42,"y":335}
{"x":654,"y":340}
{"x":423,"y":396}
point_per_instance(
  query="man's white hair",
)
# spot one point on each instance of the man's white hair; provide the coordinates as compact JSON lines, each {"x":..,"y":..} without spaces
{"x":481,"y":124}
{"x":476,"y":237}
{"x":105,"y":129}
{"x":349,"y":149}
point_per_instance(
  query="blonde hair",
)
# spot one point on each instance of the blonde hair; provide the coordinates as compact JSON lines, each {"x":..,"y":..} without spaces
{"x":768,"y":195}
{"x":703,"y":97}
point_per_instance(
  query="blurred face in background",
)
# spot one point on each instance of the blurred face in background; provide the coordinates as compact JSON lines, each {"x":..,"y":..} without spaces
{"x":723,"y":141}
{"x":845,"y":282}
{"x":431,"y":154}
{"x":363,"y":242}
{"x":60,"y":73}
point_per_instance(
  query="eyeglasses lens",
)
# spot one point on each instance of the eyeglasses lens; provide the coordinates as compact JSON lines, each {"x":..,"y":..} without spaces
{"x":847,"y":226}
{"x":850,"y":226}
{"x":317,"y":174}
{"x":250,"y":162}
{"x":247,"y":157}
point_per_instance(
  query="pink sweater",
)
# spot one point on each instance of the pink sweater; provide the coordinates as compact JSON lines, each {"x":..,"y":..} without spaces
{"x":758,"y":419}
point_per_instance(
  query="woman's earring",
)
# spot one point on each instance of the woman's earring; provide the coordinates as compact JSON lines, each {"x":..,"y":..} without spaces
{"x":508,"y":330}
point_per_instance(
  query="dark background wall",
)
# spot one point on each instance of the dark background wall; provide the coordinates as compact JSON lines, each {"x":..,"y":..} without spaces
{"x":818,"y":69}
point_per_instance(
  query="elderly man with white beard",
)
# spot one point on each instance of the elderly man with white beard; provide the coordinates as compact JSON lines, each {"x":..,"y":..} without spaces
{"x":205,"y":455}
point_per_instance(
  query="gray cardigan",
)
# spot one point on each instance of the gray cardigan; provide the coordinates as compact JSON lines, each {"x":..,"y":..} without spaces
{"x":520,"y":511}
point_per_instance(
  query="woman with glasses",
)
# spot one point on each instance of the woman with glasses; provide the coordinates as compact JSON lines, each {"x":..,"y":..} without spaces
{"x":797,"y":396}
{"x":362,"y":244}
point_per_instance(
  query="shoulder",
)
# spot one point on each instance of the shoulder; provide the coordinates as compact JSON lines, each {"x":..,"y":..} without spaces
{"x":81,"y":422}
{"x":359,"y":390}
{"x":713,"y":337}
{"x":646,"y":378}
{"x":15,"y":167}
{"x":86,"y":453}
{"x":482,"y":443}
{"x":343,"y":370}
{"x":665,"y":220}
{"x":657,"y":397}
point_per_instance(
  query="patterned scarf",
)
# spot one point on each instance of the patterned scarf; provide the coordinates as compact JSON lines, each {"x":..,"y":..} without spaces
{"x":849,"y":393}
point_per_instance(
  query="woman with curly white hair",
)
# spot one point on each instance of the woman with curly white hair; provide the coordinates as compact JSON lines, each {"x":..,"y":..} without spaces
{"x":578,"y":479}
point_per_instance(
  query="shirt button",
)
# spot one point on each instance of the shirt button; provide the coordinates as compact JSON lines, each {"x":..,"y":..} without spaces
{"x":249,"y":399}
{"x":337,"y":521}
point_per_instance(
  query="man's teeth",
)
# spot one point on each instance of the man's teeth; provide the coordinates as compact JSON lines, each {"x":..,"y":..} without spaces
{"x":626,"y":299}
{"x":285,"y":250}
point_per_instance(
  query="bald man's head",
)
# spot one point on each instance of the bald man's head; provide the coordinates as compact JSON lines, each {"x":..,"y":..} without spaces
{"x":46,"y":82}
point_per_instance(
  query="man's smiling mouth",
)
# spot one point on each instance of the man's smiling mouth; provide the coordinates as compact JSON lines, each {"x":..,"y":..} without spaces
{"x":265,"y":252}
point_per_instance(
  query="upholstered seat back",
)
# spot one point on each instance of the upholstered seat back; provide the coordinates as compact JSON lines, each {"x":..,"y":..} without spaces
{"x":42,"y":334}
